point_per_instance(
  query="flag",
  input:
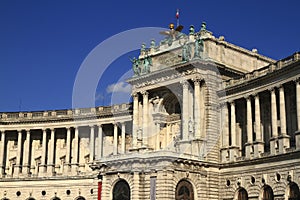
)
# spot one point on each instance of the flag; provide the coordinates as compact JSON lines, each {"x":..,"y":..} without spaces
{"x":177,"y":14}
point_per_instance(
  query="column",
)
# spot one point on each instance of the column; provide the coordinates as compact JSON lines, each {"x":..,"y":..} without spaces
{"x":283,"y":139}
{"x":282,"y":111}
{"x":233,"y":124}
{"x":185,"y":108}
{"x":123,"y":144}
{"x":68,"y":152}
{"x":2,"y":153}
{"x":26,"y":161}
{"x":258,"y":144}
{"x":257,"y":119}
{"x":50,"y":167}
{"x":100,"y":141}
{"x":145,"y":118}
{"x":135,"y":122}
{"x":76,"y":150}
{"x":157,"y":135}
{"x":225,"y":131}
{"x":249,"y":128}
{"x":115,"y":150}
{"x":297,"y":134}
{"x":197,"y":108}
{"x":19,"y":152}
{"x":44,"y":151}
{"x":92,"y":143}
{"x":233,"y":149}
{"x":274,"y":139}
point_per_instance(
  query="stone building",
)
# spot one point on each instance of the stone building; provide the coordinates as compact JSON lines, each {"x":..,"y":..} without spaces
{"x":209,"y":120}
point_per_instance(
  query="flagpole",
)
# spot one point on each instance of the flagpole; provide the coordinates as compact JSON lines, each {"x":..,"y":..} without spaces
{"x":177,"y":17}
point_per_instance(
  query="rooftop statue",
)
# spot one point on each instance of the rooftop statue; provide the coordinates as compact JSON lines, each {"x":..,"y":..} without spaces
{"x":172,"y":34}
{"x":198,"y":47}
{"x":136,"y":66}
{"x":203,"y":26}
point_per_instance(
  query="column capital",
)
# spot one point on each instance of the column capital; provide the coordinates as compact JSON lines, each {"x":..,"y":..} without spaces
{"x":92,"y":126}
{"x":248,"y":97}
{"x":256,"y":95}
{"x":144,"y":93}
{"x":297,"y":80}
{"x":184,"y":83}
{"x":232,"y":102}
{"x":100,"y":125}
{"x":2,"y":131}
{"x":272,"y":89}
{"x":197,"y":80}
{"x":135,"y":94}
{"x":52,"y":129}
{"x":280,"y":87}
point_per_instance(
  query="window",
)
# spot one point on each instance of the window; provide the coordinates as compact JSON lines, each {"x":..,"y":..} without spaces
{"x":121,"y":191}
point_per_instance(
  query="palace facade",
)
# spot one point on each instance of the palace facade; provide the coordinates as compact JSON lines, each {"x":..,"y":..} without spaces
{"x":209,"y":120}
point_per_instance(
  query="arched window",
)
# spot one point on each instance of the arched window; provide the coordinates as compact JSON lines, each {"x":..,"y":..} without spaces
{"x":184,"y":191}
{"x":242,"y":194}
{"x":121,"y":191}
{"x":294,"y":193}
{"x":267,"y":193}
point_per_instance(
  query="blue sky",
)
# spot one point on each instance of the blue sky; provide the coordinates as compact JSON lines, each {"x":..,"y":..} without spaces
{"x":43,"y":43}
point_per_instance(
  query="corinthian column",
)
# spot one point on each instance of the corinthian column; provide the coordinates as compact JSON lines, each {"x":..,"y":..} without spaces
{"x":115,"y":150}
{"x":297,"y":134}
{"x":135,"y":122}
{"x":233,"y":149}
{"x":197,"y":108}
{"x":44,"y":151}
{"x":258,"y":144}
{"x":19,"y":154}
{"x":233,"y":124}
{"x":50,"y":165}
{"x":26,"y":159}
{"x":92,"y":143}
{"x":75,"y":150}
{"x":68,"y":153}
{"x":2,"y":152}
{"x":145,"y":118}
{"x":249,"y":128}
{"x":185,"y":109}
{"x":100,"y":142}
{"x":273,"y":140}
{"x":123,"y":138}
{"x":283,"y":139}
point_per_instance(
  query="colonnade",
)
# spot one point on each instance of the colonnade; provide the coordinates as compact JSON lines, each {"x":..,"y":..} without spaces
{"x":22,"y":165}
{"x":279,"y":138}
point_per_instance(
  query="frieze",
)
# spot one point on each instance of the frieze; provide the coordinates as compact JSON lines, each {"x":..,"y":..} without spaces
{"x":166,"y":78}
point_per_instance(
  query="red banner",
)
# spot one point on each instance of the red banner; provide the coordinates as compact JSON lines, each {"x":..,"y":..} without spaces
{"x":99,"y":190}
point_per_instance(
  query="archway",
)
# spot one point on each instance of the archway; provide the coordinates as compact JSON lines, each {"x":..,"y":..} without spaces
{"x":267,"y":193}
{"x":293,"y":192}
{"x":184,"y":191}
{"x":121,"y":191}
{"x":242,"y":194}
